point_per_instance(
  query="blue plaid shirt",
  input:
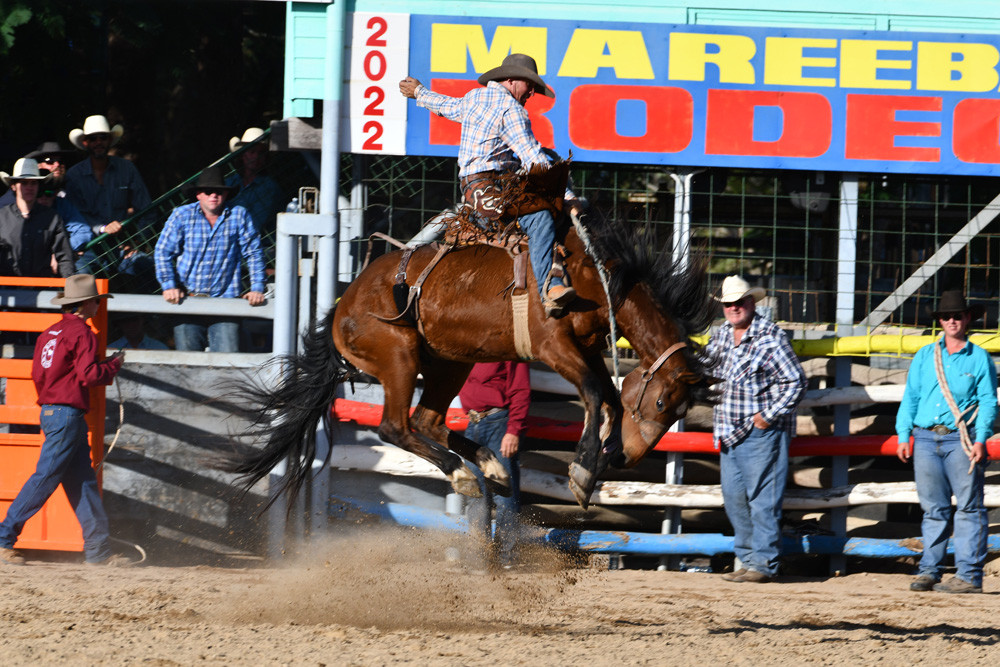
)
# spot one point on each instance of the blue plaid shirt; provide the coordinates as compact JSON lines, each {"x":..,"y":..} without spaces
{"x":761,"y":374}
{"x":496,"y":131}
{"x":201,"y":258}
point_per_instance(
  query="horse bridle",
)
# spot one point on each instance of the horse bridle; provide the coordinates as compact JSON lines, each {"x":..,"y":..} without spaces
{"x":647,"y":375}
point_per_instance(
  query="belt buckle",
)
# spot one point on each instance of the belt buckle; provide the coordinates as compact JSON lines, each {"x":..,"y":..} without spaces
{"x":941,"y":429}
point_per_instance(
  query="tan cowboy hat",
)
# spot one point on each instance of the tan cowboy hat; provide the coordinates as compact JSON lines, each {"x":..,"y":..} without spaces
{"x":518,"y":66}
{"x":95,"y":125}
{"x":251,"y":135}
{"x":953,"y":301}
{"x":81,"y":287}
{"x":25,"y":169}
{"x":209,"y":179}
{"x":735,"y":288}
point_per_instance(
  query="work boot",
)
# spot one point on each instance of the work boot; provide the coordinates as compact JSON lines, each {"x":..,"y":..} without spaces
{"x":755,"y":577}
{"x":735,"y":575}
{"x":11,"y":556}
{"x":924,"y":582}
{"x":957,"y":585}
{"x":560,"y":295}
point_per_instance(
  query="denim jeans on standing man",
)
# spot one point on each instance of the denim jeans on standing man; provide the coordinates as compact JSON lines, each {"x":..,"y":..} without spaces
{"x":753,"y":486}
{"x":941,"y":469}
{"x":218,"y":334}
{"x":64,"y":459}
{"x":489,"y":432}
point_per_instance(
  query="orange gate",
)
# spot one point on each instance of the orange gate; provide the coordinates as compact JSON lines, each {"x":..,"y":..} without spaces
{"x":55,"y":527}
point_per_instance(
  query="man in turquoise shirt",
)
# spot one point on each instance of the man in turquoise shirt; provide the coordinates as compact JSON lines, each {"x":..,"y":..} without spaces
{"x":950,"y":425}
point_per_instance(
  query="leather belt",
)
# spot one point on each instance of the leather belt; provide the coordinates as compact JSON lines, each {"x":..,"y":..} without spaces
{"x":475,"y":416}
{"x":941,"y":429}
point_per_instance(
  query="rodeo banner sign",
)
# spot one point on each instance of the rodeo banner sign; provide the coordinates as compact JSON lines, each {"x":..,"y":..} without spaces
{"x":778,"y":98}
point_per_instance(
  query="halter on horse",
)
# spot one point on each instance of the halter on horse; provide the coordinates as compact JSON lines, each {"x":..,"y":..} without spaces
{"x":466,"y":315}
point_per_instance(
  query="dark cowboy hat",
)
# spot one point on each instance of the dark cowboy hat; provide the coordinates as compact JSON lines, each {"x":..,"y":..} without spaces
{"x":54,"y":150}
{"x":953,"y":301}
{"x":518,"y":66}
{"x":209,"y":179}
{"x":81,"y":287}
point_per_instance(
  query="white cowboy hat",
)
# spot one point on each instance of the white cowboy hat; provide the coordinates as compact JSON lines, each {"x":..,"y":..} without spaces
{"x":25,"y":169}
{"x":251,"y":135}
{"x":517,"y":66}
{"x":735,"y":288}
{"x":95,"y":125}
{"x":80,"y":287}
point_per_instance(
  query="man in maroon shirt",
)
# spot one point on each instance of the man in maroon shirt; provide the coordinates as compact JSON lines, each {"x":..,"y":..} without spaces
{"x":65,"y":366}
{"x":497,"y":397}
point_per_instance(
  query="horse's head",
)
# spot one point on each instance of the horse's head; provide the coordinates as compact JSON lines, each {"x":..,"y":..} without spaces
{"x":654,"y":398}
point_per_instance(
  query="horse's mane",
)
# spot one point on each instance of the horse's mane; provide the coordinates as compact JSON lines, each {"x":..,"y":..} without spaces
{"x":632,"y":258}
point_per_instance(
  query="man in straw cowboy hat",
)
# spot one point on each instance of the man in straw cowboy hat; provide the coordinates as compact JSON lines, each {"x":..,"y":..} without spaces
{"x":105,"y":188}
{"x":30,"y":233}
{"x":65,"y":366}
{"x":255,"y":191}
{"x":198,"y":254}
{"x":948,"y":406}
{"x":763,"y":382}
{"x":496,"y":139}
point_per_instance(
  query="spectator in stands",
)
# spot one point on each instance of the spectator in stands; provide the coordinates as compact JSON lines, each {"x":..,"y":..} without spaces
{"x":134,"y":336}
{"x":763,"y":382}
{"x":257,"y":192}
{"x":497,"y":397}
{"x":31,"y":234}
{"x":948,"y":406}
{"x":52,"y":161}
{"x":108,"y":190}
{"x":198,"y":254}
{"x":65,"y":366}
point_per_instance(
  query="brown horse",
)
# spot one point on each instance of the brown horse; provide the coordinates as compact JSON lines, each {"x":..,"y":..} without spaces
{"x":465,"y":316}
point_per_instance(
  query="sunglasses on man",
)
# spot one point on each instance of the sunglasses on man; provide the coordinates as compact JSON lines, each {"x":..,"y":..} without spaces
{"x":944,"y":317}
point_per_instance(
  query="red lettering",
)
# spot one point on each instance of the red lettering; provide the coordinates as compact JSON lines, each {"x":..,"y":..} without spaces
{"x":444,"y":132}
{"x":807,"y":123}
{"x":593,"y":118}
{"x":871,"y":128}
{"x":380,"y":25}
{"x":976,"y":131}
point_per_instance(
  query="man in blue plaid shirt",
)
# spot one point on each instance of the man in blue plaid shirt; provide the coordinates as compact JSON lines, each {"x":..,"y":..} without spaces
{"x":198,"y":254}
{"x":497,"y":139}
{"x":753,"y":424}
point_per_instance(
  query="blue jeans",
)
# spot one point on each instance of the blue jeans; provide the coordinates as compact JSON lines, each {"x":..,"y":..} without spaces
{"x":217,"y":333}
{"x":754,"y":473}
{"x":64,"y":459}
{"x":941,"y":469}
{"x":541,"y":231}
{"x":489,"y":432}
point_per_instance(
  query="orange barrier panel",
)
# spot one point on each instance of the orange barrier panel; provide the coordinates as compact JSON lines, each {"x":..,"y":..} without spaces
{"x":54,"y":527}
{"x":691,"y":442}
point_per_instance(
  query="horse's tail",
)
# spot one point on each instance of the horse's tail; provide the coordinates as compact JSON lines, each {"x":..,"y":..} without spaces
{"x":286,"y":416}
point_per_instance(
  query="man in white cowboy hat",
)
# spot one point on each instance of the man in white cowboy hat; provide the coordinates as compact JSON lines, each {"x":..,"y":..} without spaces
{"x":64,"y":368}
{"x":496,"y":139}
{"x":105,"y":188}
{"x":30,"y":233}
{"x":255,"y":191}
{"x":198,"y":254}
{"x":763,"y":382}
{"x":948,"y":407}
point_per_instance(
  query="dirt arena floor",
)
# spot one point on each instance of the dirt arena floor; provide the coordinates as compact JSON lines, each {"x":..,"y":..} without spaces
{"x":389,"y":597}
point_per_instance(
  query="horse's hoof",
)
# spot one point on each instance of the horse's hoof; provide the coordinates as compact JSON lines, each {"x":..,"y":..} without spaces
{"x":581,"y":483}
{"x":496,"y":476}
{"x":465,"y":483}
{"x":499,"y":487}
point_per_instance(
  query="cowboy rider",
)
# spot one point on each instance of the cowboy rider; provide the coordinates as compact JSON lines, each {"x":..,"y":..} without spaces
{"x":497,"y":138}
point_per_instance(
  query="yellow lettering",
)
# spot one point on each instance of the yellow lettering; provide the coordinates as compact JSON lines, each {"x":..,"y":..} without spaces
{"x":859,"y":63}
{"x":784,"y":61}
{"x":975,"y":66}
{"x":451,"y":42}
{"x":689,"y":56}
{"x":624,"y":50}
